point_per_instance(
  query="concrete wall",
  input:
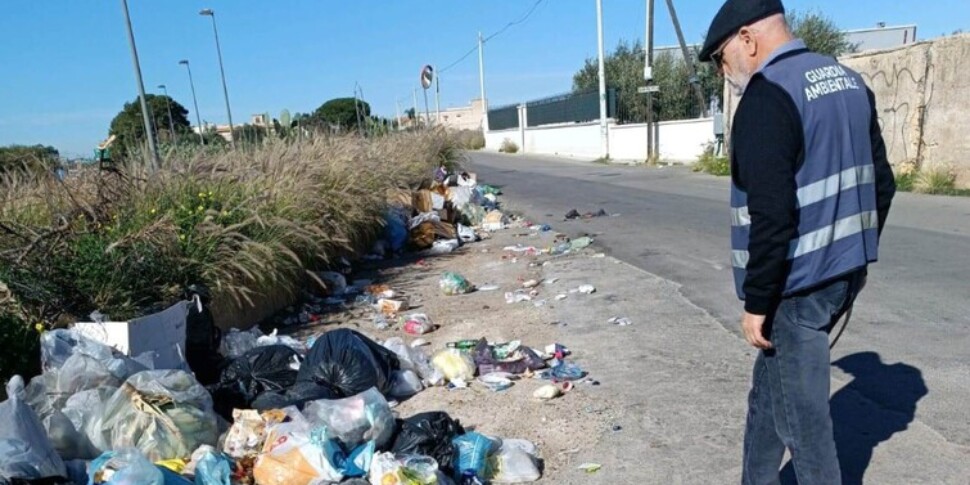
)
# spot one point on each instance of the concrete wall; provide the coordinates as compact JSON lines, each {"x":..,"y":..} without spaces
{"x":922,"y":100}
{"x":680,"y":141}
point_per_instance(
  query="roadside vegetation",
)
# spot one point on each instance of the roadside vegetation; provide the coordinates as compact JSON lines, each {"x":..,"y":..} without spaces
{"x":127,"y":242}
{"x":470,"y":139}
{"x":508,"y":146}
{"x":938,"y":180}
{"x":711,"y":163}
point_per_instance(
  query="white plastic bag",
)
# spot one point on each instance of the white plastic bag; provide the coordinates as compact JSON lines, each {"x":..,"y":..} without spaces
{"x":25,"y":451}
{"x":414,"y":359}
{"x":466,"y":234}
{"x":355,"y":419}
{"x":164,"y":414}
{"x":512,"y":463}
{"x":454,"y":365}
{"x":274,"y":339}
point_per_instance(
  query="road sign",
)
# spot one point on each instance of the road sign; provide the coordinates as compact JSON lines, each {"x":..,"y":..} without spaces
{"x":648,"y":89}
{"x":427,"y":76}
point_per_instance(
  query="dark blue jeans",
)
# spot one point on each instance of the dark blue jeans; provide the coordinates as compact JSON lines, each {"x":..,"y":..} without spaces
{"x":788,"y":406}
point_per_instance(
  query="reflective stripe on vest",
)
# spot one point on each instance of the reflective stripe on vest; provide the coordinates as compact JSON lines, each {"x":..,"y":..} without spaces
{"x":821,"y":238}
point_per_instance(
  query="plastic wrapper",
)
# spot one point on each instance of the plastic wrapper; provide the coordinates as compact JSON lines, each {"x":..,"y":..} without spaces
{"x":348,"y":363}
{"x":513,"y":463}
{"x":405,"y":383}
{"x":415,"y":359}
{"x":235,"y":343}
{"x":429,"y":434}
{"x":454,"y":284}
{"x":454,"y":365}
{"x":83,"y":411}
{"x":354,"y":420}
{"x":520,"y":360}
{"x":258,"y":370}
{"x":396,"y":228}
{"x":213,"y":469}
{"x":274,"y":339}
{"x":164,"y":414}
{"x":466,"y":234}
{"x":25,"y":451}
{"x":124,"y":467}
{"x":246,"y":435}
{"x":418,"y":324}
{"x":406,"y":470}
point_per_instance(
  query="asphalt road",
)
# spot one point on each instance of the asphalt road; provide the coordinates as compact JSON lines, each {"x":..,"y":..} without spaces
{"x":914,"y":313}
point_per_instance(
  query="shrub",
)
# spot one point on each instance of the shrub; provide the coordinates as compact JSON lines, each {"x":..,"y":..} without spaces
{"x":239,"y":221}
{"x":935,"y":180}
{"x":21,"y":349}
{"x":470,"y":139}
{"x":508,"y":146}
{"x":711,"y":163}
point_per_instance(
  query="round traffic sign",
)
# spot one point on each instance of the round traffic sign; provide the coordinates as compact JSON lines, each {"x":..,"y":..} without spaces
{"x":427,"y":76}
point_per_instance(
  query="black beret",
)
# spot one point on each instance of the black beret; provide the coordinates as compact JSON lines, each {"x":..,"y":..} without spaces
{"x":733,"y":15}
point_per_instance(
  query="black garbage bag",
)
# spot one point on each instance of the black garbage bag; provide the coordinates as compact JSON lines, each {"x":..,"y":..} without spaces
{"x":298,"y":395}
{"x":428,"y":434}
{"x":348,"y":363}
{"x":259,"y":370}
{"x":202,"y":337}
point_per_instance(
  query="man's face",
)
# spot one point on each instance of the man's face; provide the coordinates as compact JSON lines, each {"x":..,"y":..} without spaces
{"x":733,"y":61}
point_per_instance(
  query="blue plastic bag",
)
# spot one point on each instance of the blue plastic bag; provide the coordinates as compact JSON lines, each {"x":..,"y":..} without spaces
{"x":213,"y":469}
{"x":130,"y":467}
{"x":396,"y":229}
{"x":472,"y":453}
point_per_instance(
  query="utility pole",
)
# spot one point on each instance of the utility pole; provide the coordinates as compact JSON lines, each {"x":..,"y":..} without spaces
{"x":397,"y":106}
{"x":481,"y":80}
{"x":222,"y":72}
{"x":688,"y":59}
{"x":604,"y":134}
{"x":168,"y":105}
{"x":427,"y":112}
{"x":648,"y":77}
{"x":414,"y":95}
{"x":141,"y":89}
{"x":437,"y":97}
{"x":195,"y":102}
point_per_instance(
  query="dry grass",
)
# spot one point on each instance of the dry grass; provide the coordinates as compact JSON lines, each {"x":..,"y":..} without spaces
{"x":508,"y":146}
{"x":238,"y":221}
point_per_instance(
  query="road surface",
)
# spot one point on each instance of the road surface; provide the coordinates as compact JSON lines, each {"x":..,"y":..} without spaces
{"x":914,"y":313}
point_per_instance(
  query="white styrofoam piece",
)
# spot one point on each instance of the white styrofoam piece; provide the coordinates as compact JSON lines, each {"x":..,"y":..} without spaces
{"x":161,"y":333}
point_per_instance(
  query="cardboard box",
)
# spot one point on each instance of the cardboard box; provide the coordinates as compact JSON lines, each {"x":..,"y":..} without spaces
{"x":161,"y":333}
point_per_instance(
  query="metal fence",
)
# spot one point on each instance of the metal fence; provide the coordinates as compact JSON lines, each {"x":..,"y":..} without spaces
{"x":564,"y":108}
{"x":503,"y":118}
{"x":570,"y":108}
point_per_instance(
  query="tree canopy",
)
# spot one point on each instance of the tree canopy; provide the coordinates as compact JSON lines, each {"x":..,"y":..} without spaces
{"x":15,"y":157}
{"x":343,"y":112}
{"x":129,"y":129}
{"x":624,"y":72}
{"x":820,"y":33}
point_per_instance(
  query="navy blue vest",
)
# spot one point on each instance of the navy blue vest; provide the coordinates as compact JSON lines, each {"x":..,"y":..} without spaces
{"x":837,"y":220}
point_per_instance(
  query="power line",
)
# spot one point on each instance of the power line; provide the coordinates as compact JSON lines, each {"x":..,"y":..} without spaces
{"x":520,"y":20}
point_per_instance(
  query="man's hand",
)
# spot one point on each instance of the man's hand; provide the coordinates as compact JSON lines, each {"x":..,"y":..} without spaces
{"x":753,"y":327}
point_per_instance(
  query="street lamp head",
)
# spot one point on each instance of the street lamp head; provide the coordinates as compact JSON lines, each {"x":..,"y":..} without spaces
{"x":184,"y":62}
{"x":161,"y":86}
{"x":206,"y":11}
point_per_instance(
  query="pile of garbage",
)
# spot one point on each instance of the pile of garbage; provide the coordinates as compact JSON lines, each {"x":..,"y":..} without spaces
{"x":97,"y":416}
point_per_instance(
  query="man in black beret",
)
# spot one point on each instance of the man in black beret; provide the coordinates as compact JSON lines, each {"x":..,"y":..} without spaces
{"x":810,"y":193}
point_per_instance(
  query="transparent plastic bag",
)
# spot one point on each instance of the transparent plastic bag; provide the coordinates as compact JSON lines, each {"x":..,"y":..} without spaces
{"x":299,"y":453}
{"x":236,"y":342}
{"x":513,"y":463}
{"x":405,"y":383}
{"x":414,"y":359}
{"x":164,"y":414}
{"x":454,"y":284}
{"x":25,"y":450}
{"x":418,"y":324}
{"x":472,"y":453}
{"x":354,"y":420}
{"x":213,"y":469}
{"x":124,"y":467}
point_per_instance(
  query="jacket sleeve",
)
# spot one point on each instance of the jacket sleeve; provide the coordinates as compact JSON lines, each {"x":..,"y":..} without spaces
{"x":767,"y":146}
{"x":885,"y":181}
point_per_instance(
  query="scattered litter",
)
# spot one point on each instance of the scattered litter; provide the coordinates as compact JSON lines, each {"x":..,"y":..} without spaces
{"x":391,"y":307}
{"x":419,"y":342}
{"x":488,"y":287}
{"x":546,"y":392}
{"x":454,"y":284}
{"x":551,"y":281}
{"x":590,"y":467}
{"x":496,"y":381}
{"x":580,"y":243}
{"x":586,"y":289}
{"x":599,"y":255}
{"x":517,"y":296}
{"x":380,"y":322}
{"x":454,"y":365}
{"x":621,"y":321}
{"x":530,"y":283}
{"x":443,"y":246}
{"x":561,"y":296}
{"x":418,"y":324}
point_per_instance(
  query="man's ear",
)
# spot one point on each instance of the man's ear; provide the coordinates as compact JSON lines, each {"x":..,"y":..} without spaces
{"x":749,"y":43}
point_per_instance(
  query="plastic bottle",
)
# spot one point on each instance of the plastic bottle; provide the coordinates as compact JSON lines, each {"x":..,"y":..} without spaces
{"x":469,"y":477}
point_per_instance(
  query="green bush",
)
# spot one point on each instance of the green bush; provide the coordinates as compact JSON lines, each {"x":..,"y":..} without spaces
{"x":470,"y":139}
{"x":713,"y":164}
{"x":21,"y":349}
{"x":904,"y":182}
{"x":935,"y":180}
{"x":508,"y":146}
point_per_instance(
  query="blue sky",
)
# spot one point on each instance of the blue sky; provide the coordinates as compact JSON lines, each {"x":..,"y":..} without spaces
{"x":67,"y":68}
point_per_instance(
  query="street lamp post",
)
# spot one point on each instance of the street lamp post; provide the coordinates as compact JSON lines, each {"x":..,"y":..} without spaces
{"x":195,"y":102}
{"x":141,"y":88}
{"x":168,"y":105}
{"x":225,"y":91}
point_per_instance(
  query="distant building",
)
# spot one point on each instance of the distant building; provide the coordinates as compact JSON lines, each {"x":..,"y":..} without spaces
{"x":463,"y":118}
{"x":881,"y":37}
{"x":261,"y":119}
